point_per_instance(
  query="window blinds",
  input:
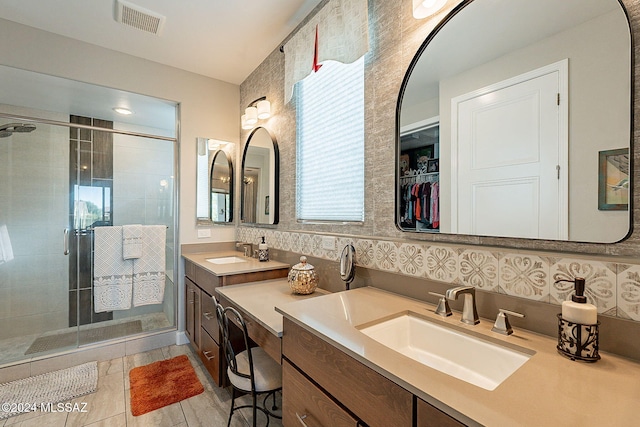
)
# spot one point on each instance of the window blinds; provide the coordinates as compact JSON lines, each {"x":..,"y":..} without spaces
{"x":330,"y":143}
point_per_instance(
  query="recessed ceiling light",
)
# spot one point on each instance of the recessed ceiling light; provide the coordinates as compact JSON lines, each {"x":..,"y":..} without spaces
{"x":123,"y":111}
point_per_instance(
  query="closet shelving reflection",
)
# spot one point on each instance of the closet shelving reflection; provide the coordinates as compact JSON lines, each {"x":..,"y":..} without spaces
{"x":420,"y":207}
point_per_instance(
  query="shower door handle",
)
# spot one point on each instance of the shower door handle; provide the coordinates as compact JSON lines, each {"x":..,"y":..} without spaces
{"x":66,"y":241}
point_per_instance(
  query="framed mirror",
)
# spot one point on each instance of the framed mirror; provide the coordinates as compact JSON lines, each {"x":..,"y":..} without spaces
{"x":214,"y":182}
{"x":503,"y":116}
{"x":260,"y":179}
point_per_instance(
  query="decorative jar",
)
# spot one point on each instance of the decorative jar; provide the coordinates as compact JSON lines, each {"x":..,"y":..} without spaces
{"x":303,"y":278}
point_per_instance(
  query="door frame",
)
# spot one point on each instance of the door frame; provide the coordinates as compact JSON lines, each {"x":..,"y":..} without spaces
{"x":562,"y":68}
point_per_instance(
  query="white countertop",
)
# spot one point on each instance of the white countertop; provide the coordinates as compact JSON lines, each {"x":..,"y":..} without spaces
{"x":259,"y":299}
{"x":250,"y":266}
{"x":548,"y":390}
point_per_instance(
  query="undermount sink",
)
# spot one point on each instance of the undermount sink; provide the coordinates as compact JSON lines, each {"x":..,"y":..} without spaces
{"x":226,"y":260}
{"x":454,"y":352}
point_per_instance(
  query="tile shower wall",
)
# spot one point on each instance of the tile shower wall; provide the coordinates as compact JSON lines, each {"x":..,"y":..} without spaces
{"x":526,"y":269}
{"x":34,"y":192}
{"x":143,"y":194}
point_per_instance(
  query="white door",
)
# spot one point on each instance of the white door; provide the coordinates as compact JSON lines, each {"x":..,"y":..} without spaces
{"x":512,"y":166}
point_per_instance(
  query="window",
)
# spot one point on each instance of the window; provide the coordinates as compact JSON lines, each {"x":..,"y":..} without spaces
{"x":330,"y":143}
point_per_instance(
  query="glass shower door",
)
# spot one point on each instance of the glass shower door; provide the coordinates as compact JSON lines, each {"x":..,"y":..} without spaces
{"x":34,"y":270}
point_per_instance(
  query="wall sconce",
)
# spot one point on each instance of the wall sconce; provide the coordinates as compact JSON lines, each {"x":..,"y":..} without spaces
{"x":424,"y":8}
{"x":259,"y":109}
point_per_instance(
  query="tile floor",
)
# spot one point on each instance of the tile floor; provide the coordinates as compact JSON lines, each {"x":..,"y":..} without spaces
{"x":109,"y":406}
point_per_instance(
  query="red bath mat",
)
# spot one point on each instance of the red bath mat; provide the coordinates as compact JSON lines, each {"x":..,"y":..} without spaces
{"x":162,"y":383}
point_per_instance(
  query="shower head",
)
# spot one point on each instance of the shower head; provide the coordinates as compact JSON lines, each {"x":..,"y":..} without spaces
{"x":24,"y":128}
{"x":9,"y":129}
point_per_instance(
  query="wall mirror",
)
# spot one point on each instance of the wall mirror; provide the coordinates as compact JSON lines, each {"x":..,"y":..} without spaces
{"x":260,"y":179}
{"x":214,"y":182}
{"x":505,"y":115}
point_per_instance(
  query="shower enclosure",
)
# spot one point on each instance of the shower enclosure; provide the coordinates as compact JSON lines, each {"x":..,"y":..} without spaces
{"x":62,"y":174}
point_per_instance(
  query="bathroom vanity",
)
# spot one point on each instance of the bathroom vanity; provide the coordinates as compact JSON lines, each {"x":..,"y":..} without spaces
{"x":334,"y":374}
{"x":204,"y":272}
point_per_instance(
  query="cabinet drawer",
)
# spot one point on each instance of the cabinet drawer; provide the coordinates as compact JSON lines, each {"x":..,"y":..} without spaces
{"x":430,"y":416}
{"x":302,"y":400}
{"x":210,"y":355}
{"x":371,"y":397}
{"x":209,"y":320}
{"x":190,"y":270}
{"x":206,"y":280}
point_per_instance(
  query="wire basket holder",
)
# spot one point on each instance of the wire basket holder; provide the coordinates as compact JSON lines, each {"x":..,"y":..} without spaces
{"x":577,"y":341}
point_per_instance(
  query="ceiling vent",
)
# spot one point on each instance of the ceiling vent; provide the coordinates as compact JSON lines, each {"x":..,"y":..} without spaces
{"x":138,"y":17}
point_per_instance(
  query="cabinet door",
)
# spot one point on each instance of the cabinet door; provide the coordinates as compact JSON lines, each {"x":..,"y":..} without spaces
{"x":192,"y":312}
{"x":429,"y":416}
{"x":304,"y":404}
{"x":190,"y":309}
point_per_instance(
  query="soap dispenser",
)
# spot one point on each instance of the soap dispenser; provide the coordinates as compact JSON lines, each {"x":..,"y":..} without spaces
{"x":578,"y":325}
{"x":263,"y":251}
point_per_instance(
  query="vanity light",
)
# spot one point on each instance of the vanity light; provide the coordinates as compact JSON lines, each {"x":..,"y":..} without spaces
{"x":123,"y":111}
{"x":264,"y":109}
{"x":424,"y":8}
{"x":259,"y":109}
{"x":251,"y":115}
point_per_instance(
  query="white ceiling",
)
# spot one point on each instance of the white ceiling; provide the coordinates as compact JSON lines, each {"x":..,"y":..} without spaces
{"x":222,"y":39}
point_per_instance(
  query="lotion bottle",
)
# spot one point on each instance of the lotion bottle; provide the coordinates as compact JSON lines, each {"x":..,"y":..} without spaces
{"x":263,"y":251}
{"x":578,"y":310}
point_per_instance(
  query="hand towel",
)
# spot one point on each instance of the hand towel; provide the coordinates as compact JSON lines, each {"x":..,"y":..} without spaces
{"x":6,"y":251}
{"x":131,"y":241}
{"x":112,"y":275}
{"x":149,"y":269}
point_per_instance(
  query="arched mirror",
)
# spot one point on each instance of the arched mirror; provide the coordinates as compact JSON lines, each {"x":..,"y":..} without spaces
{"x":260,"y":179}
{"x":514,"y":120}
{"x":214,"y":182}
{"x":221,"y":187}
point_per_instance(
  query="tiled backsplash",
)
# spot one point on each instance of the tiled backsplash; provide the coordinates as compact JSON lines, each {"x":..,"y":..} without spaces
{"x":614,"y":288}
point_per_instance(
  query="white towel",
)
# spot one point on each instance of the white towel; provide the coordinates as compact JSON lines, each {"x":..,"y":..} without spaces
{"x":6,"y":251}
{"x":112,"y":275}
{"x":131,"y":241}
{"x":148,"y":270}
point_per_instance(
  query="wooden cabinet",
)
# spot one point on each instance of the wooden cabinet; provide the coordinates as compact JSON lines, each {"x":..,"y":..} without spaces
{"x":372,"y":398}
{"x":193,"y":298}
{"x":201,"y":322}
{"x":430,"y":416}
{"x":306,"y":404}
{"x":328,"y":387}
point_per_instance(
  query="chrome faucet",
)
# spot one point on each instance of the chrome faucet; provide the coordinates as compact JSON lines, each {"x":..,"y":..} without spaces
{"x":469,"y":311}
{"x":247,"y":248}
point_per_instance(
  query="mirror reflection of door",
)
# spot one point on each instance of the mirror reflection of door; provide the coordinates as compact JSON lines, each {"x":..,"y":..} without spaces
{"x":251,"y":181}
{"x":510,"y":139}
